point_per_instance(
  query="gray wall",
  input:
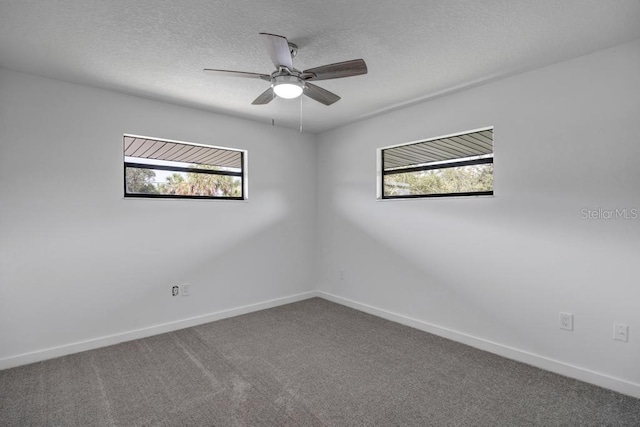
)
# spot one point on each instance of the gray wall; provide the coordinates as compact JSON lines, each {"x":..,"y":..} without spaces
{"x":80,"y":262}
{"x":496,"y":271}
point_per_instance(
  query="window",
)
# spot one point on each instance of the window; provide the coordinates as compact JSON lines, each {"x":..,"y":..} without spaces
{"x":452,"y":165}
{"x":160,"y":168}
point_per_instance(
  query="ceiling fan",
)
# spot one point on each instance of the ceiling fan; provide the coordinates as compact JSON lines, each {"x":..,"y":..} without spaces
{"x":288,"y":82}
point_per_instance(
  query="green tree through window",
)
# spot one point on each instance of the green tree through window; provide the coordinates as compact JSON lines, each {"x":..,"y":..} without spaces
{"x":140,"y":181}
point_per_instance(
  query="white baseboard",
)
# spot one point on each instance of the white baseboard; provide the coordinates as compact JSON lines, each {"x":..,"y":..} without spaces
{"x":76,"y":347}
{"x":582,"y":374}
{"x":562,"y":368}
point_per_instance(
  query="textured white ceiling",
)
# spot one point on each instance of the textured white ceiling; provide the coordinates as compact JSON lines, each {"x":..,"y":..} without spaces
{"x":415,"y":49}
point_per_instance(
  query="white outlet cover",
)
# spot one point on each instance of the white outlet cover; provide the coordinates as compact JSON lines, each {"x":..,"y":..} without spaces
{"x":566,"y":321}
{"x":621,"y":332}
{"x":185,"y":288}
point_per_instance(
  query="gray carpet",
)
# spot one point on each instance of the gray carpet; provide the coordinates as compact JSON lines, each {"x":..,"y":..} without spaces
{"x":311,"y":363}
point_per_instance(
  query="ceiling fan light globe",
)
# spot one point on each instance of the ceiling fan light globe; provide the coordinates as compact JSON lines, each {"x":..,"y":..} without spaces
{"x":287,"y":87}
{"x":287,"y":90}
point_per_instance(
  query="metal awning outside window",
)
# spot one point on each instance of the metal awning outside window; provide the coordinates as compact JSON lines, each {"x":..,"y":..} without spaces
{"x":144,"y":148}
{"x":477,"y":144}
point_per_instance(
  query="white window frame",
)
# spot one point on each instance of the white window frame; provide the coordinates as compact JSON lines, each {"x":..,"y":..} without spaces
{"x":463,"y":161}
{"x":242,"y":174}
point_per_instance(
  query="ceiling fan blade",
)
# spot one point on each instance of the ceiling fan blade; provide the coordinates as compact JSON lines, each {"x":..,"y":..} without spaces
{"x":265,"y":97}
{"x":238,"y":74}
{"x":278,"y":50}
{"x":354,"y":67}
{"x":321,"y":95}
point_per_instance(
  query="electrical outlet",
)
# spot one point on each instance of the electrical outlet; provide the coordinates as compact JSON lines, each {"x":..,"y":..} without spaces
{"x":566,"y":321}
{"x":185,"y":288}
{"x":175,"y":291}
{"x":341,"y":271}
{"x":620,"y":332}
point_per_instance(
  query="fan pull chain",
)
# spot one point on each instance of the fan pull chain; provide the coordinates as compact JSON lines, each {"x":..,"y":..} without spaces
{"x":301,"y":114}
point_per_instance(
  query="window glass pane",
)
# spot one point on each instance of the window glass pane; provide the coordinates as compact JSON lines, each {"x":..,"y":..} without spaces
{"x":458,"y":164}
{"x":163,"y":182}
{"x":461,"y":179}
{"x":160,"y":168}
